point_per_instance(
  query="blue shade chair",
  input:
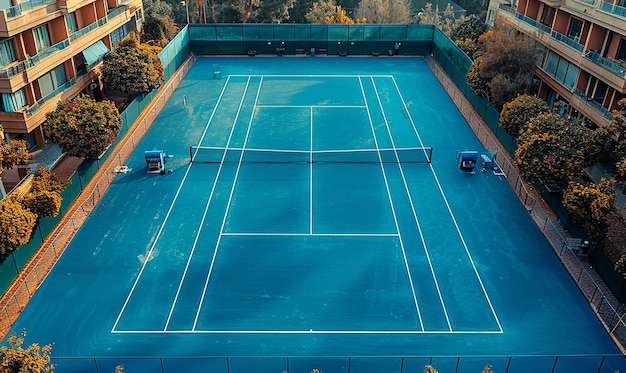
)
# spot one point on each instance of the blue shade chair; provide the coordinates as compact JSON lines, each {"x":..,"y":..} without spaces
{"x":487,"y":158}
{"x":216,"y":71}
{"x":467,"y":160}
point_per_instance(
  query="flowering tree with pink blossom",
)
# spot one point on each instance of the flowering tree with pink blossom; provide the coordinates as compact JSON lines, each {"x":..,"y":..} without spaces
{"x":83,"y":127}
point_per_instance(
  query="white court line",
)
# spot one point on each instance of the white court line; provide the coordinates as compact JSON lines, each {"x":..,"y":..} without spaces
{"x":264,"y":76}
{"x":443,"y":194}
{"x":412,"y":205}
{"x":268,"y":150}
{"x":165,"y":219}
{"x":270,"y":106}
{"x":232,"y":189}
{"x":263,"y":234}
{"x":393,"y":210}
{"x":311,"y":171}
{"x":309,"y":331}
{"x":206,"y":209}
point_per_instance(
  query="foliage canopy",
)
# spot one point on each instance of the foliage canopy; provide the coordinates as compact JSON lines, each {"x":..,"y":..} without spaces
{"x":32,"y":359}
{"x":16,"y":225}
{"x":132,"y":67}
{"x":83,"y":127}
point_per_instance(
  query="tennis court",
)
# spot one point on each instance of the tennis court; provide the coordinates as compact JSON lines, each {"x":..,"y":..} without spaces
{"x":314,"y":210}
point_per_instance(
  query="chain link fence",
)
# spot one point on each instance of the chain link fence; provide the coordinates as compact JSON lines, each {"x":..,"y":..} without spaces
{"x":32,"y":275}
{"x":608,"y":309}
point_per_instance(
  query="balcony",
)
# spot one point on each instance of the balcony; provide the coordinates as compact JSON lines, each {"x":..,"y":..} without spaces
{"x":573,"y":43}
{"x":606,"y":64}
{"x":86,"y":29}
{"x":613,"y":9}
{"x":18,"y":9}
{"x":37,"y":105}
{"x":606,"y":113}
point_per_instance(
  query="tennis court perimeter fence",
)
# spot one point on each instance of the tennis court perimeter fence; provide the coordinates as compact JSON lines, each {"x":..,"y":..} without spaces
{"x":325,"y":364}
{"x":608,"y":309}
{"x":35,"y":271}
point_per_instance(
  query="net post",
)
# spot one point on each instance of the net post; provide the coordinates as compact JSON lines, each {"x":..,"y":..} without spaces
{"x":191,"y":153}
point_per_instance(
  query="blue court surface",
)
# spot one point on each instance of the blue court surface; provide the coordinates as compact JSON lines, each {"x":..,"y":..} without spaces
{"x":311,"y":225}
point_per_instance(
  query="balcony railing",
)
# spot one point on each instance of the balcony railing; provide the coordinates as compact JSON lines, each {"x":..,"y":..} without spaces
{"x":568,"y":41}
{"x":606,"y":113}
{"x":20,"y":67}
{"x":117,"y":11}
{"x":533,"y":23}
{"x":606,"y":63}
{"x":18,"y":9}
{"x":613,"y":9}
{"x":88,"y":28}
{"x":51,"y":49}
{"x":36,"y":106}
{"x":507,"y":8}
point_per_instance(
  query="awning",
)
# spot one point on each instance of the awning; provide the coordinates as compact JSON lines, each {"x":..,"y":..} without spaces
{"x":95,"y":52}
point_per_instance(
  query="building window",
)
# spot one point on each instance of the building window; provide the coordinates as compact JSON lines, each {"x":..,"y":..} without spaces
{"x":42,"y":38}
{"x":621,"y":50}
{"x":562,"y":70}
{"x":12,"y":102}
{"x":139,"y":15}
{"x":52,"y":80}
{"x":70,"y":23}
{"x":575,"y":27}
{"x":547,"y":16}
{"x":7,"y":52}
{"x":119,"y":34}
{"x":491,"y":17}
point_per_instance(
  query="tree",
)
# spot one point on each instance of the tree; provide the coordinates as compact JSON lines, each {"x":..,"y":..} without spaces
{"x":465,"y":33}
{"x":430,"y":369}
{"x":503,"y":65}
{"x":327,"y":12}
{"x":591,"y":204}
{"x":83,"y":127}
{"x":297,"y":14}
{"x":158,"y":31}
{"x":16,"y":225}
{"x":16,"y":359}
{"x":547,"y":152}
{"x":13,"y":154}
{"x":272,"y":11}
{"x":131,"y":67}
{"x":44,"y":196}
{"x":445,"y":20}
{"x":156,"y":8}
{"x":516,"y":114}
{"x":384,"y":11}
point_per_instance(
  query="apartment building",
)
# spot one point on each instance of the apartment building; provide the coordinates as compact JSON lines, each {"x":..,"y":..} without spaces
{"x":583,"y":42}
{"x":49,"y":51}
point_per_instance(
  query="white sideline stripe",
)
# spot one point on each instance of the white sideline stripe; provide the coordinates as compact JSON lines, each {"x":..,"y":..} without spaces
{"x":391,"y":204}
{"x":311,"y":171}
{"x":412,"y":205}
{"x":321,"y":331}
{"x":232,"y":190}
{"x":445,"y":199}
{"x":263,"y":234}
{"x":165,"y":219}
{"x":310,"y":76}
{"x":270,"y":106}
{"x":206,"y":209}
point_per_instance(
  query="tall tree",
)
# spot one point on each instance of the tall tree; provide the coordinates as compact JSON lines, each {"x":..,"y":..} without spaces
{"x":445,"y":20}
{"x":517,"y":113}
{"x":156,"y":8}
{"x":465,"y":33}
{"x":33,"y":359}
{"x":158,"y":31}
{"x":297,"y":14}
{"x":44,"y":196}
{"x":591,"y":204}
{"x":328,"y":12}
{"x":132,"y":68}
{"x":16,"y":227}
{"x":545,"y":152}
{"x":83,"y":127}
{"x":272,"y":11}
{"x":503,"y":65}
{"x":384,"y":11}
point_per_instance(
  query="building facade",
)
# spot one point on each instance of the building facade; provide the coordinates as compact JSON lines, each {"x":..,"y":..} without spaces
{"x":583,"y":51}
{"x":49,"y":51}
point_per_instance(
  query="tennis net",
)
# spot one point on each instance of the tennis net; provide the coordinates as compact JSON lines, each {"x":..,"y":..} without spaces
{"x":203,"y":154}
